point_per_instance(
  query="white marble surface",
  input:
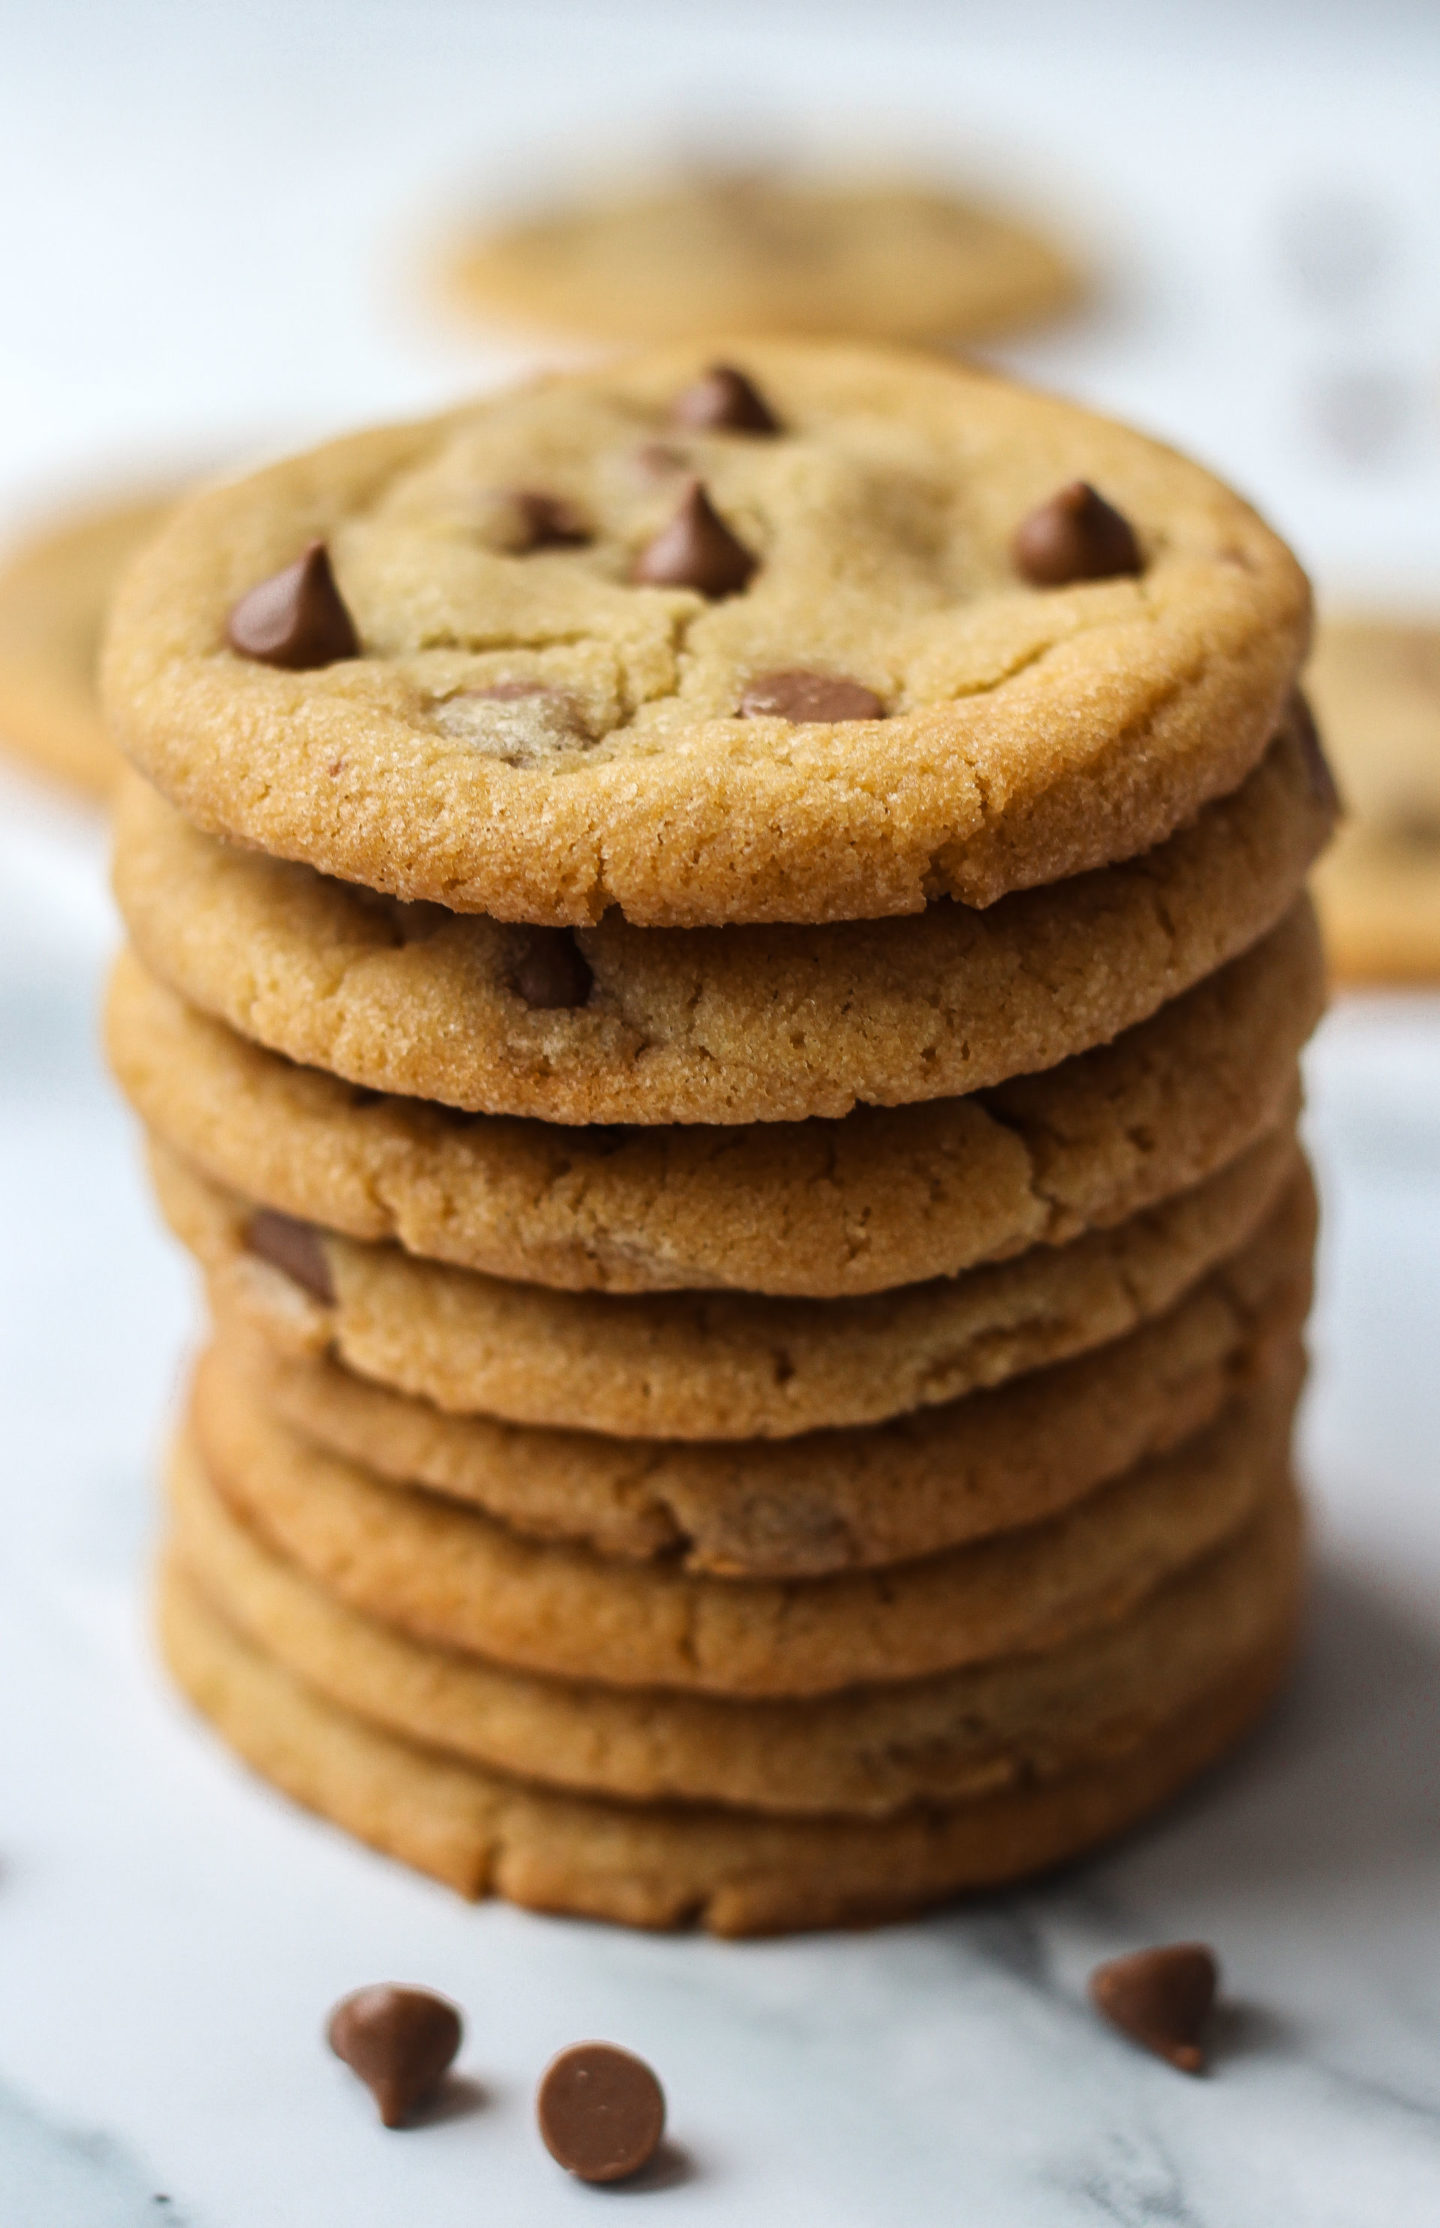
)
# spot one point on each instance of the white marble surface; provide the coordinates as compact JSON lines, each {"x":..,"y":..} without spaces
{"x":205,"y":213}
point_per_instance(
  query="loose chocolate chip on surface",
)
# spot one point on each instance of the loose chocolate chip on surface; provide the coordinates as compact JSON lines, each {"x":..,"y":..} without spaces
{"x":553,"y":970}
{"x":696,"y":550}
{"x":1161,"y":1998}
{"x":296,"y":618}
{"x":400,"y":2041}
{"x":1077,"y":535}
{"x":798,"y":695}
{"x":723,"y":400}
{"x":546,"y":521}
{"x":293,"y":1246}
{"x":601,"y":2111}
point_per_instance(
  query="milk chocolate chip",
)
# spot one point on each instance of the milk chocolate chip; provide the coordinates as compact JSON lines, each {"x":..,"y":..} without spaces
{"x":1161,"y":1998}
{"x":546,"y":521}
{"x":601,"y":2111}
{"x":723,"y":400}
{"x":801,"y":696}
{"x":292,"y":1246}
{"x":296,"y":618}
{"x":1075,"y":536}
{"x":400,"y":2041}
{"x":696,"y":550}
{"x":553,"y":970}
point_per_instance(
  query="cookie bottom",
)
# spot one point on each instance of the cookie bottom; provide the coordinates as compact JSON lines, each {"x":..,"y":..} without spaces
{"x":668,"y":1866}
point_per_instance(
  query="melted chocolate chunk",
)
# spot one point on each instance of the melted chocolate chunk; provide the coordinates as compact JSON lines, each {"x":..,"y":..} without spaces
{"x":294,"y":1247}
{"x":601,"y":2112}
{"x":1075,"y":536}
{"x":1161,"y":1998}
{"x":295,"y":619}
{"x":802,"y":696}
{"x":553,"y":970}
{"x":400,"y":2041}
{"x":723,"y":400}
{"x":696,"y":550}
{"x":546,"y":521}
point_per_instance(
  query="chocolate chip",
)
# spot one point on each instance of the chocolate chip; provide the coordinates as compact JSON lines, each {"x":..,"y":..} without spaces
{"x":552,"y":970}
{"x":294,"y":1247}
{"x":696,"y":550}
{"x":1161,"y":1998}
{"x":723,"y":400}
{"x":601,"y":2111}
{"x":802,"y":696}
{"x":1075,"y":536}
{"x":400,"y":2041}
{"x":296,"y":618}
{"x":546,"y":521}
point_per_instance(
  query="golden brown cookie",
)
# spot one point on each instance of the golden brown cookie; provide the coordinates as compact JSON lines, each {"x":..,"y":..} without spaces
{"x":830,"y":1500}
{"x":817,"y":1209}
{"x":747,"y":251}
{"x":673,"y":1865}
{"x":571,"y":651}
{"x":1377,"y":687}
{"x":719,"y":1025}
{"x":452,"y":1577}
{"x":700,"y":1365}
{"x":869,"y":1752}
{"x":55,"y":585}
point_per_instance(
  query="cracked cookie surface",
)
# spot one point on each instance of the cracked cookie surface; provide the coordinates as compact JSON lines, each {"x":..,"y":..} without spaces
{"x":709,"y":1025}
{"x":533,"y":732}
{"x":883,"y":1197}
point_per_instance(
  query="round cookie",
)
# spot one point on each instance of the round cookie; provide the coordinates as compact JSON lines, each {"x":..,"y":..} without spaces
{"x":1377,"y":686}
{"x":749,"y":251}
{"x":670,"y":1865}
{"x":868,"y":1752}
{"x":830,"y":1500}
{"x":55,"y":586}
{"x":566,"y":655}
{"x":721,"y":1026}
{"x":706,"y":1365}
{"x":823,"y":1210}
{"x":452,"y":1577}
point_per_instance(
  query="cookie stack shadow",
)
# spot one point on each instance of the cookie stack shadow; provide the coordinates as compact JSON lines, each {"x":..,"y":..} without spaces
{"x":764,"y":1426}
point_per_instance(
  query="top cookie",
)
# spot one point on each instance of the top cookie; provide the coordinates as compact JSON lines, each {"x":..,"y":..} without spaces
{"x":873,"y":259}
{"x":819,"y":642}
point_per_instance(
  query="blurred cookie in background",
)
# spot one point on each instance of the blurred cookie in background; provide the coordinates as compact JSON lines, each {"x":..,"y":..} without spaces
{"x":55,"y":585}
{"x":877,"y":259}
{"x":1375,"y":686}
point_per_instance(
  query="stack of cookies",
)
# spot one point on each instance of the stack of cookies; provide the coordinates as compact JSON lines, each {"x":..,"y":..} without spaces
{"x":718,"y":950}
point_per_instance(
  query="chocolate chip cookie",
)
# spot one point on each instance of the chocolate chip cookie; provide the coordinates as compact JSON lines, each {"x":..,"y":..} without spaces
{"x":763,"y":252}
{"x":602,"y":645}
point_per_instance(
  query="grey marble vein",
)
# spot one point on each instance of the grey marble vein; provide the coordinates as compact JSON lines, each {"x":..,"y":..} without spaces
{"x":52,"y":2176}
